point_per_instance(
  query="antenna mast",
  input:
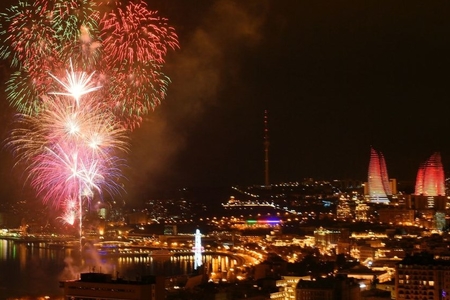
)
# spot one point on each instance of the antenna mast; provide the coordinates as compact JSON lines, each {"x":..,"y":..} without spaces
{"x":266,"y":149}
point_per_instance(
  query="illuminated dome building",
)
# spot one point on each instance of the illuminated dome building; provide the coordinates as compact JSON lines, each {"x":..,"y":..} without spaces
{"x":378,"y":185}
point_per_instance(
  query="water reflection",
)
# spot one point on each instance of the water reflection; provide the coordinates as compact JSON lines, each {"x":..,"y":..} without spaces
{"x":175,"y":265}
{"x":34,"y":269}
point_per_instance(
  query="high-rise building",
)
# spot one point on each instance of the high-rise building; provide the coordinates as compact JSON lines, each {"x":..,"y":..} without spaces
{"x":378,"y":185}
{"x":422,"y":277}
{"x":430,"y":186}
{"x":430,"y":180}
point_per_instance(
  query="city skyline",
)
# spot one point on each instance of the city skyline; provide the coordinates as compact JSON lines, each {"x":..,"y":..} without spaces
{"x":257,"y":92}
{"x":336,"y":78}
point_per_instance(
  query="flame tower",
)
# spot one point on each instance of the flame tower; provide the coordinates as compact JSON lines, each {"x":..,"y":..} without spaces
{"x":379,"y":187}
{"x":430,"y":180}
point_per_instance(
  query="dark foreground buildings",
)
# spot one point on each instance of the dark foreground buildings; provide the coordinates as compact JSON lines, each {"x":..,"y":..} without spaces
{"x":103,"y":286}
{"x":423,"y":277}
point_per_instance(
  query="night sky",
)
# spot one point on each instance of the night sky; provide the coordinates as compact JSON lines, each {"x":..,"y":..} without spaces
{"x":336,"y":77}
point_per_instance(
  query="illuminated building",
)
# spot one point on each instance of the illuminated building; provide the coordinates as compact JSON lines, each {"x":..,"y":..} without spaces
{"x":343,"y":209}
{"x":368,"y":235}
{"x":396,"y":216}
{"x":365,"y":274}
{"x":362,"y":212}
{"x":422,"y":277}
{"x":378,"y":185}
{"x":440,"y":220}
{"x":103,"y":286}
{"x":256,"y":224}
{"x":286,"y":287}
{"x":430,"y":185}
{"x":330,"y":238}
{"x":430,"y":180}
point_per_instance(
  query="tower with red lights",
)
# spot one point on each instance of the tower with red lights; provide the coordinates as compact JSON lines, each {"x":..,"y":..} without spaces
{"x":430,"y":180}
{"x":378,"y":184}
{"x":430,"y":185}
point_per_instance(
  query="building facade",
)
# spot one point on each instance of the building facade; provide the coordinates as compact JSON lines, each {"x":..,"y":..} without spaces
{"x":395,"y":215}
{"x":378,"y":184}
{"x":422,"y":277}
{"x":103,"y":286}
{"x":286,"y":288}
{"x":332,"y":288}
{"x":430,"y":180}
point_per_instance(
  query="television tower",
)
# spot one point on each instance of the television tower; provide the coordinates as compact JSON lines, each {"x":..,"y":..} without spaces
{"x":266,"y":149}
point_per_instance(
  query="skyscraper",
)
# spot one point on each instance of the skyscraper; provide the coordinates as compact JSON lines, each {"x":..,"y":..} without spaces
{"x":379,"y":187}
{"x":430,"y":188}
{"x":430,"y":180}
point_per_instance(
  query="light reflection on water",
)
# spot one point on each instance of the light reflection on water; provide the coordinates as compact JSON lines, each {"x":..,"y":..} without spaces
{"x":35,"y":270}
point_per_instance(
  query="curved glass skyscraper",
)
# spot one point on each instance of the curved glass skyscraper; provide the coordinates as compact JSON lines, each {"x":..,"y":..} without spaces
{"x":430,"y":180}
{"x":379,"y":187}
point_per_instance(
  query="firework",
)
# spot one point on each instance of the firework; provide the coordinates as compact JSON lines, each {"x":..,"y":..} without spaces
{"x":29,"y":38}
{"x":77,"y":85}
{"x":71,"y":146}
{"x":24,"y":92}
{"x":135,"y":41}
{"x":75,"y":24}
{"x":136,"y":35}
{"x":72,"y":124}
{"x":70,"y":211}
{"x":124,"y":46}
{"x":137,"y":92}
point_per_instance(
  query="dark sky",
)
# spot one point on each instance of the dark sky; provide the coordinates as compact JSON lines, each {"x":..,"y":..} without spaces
{"x":337,"y":77}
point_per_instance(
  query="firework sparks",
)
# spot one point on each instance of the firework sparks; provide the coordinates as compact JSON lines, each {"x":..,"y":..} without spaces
{"x":77,"y":85}
{"x":72,"y":124}
{"x":28,"y":35}
{"x":136,"y":35}
{"x":122,"y":47}
{"x":70,"y":211}
{"x":71,"y":147}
